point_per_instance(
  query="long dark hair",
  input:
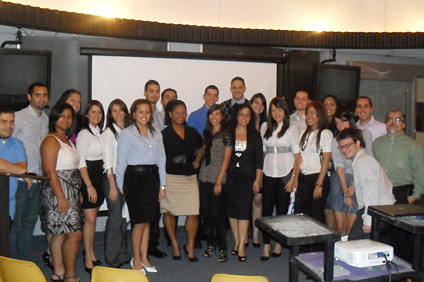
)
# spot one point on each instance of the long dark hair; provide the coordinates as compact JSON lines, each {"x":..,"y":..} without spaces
{"x":272,"y":125}
{"x":77,"y":122}
{"x":170,"y":107}
{"x":251,"y":127}
{"x":56,"y":113}
{"x":322,"y":123}
{"x":262,"y":116}
{"x":208,"y":132}
{"x":134,"y":107}
{"x":85,"y":122}
{"x":346,"y":115}
{"x":109,"y":119}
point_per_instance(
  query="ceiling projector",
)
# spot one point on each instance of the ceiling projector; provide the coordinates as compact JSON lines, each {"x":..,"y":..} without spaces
{"x":363,"y":253}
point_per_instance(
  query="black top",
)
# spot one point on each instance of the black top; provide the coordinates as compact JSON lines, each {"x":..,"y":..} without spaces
{"x":180,"y":152}
{"x":250,"y":160}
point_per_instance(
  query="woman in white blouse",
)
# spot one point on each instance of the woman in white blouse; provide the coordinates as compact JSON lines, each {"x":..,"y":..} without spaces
{"x":315,"y":152}
{"x":91,"y":169}
{"x":115,"y":240}
{"x":281,"y":147}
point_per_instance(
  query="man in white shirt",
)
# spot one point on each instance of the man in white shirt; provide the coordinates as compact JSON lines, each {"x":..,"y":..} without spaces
{"x":167,"y":95}
{"x":372,"y":187}
{"x":31,"y":126}
{"x":152,"y":94}
{"x":301,"y":100}
{"x":366,"y":121}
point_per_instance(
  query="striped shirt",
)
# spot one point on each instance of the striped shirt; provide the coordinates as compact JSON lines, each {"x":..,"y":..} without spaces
{"x":31,"y":129}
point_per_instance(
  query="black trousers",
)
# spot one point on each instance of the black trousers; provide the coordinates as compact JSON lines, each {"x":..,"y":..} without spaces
{"x":212,"y":209}
{"x":356,"y":232}
{"x":274,"y":195}
{"x":305,"y":202}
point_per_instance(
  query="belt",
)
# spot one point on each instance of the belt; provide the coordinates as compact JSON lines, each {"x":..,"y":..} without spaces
{"x":277,"y":150}
{"x":182,"y":159}
{"x":144,"y":169}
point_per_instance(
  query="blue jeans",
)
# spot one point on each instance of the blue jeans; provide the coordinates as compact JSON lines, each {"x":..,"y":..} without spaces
{"x":26,"y":215}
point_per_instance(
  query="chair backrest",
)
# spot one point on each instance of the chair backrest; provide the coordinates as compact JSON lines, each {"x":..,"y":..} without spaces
{"x":101,"y":274}
{"x":14,"y":270}
{"x":219,"y":277}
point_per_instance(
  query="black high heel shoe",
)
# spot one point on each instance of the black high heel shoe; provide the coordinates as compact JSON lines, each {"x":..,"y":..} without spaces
{"x":242,"y":259}
{"x":256,"y":245}
{"x":58,"y":276}
{"x":88,"y":270}
{"x":209,"y":251}
{"x":95,"y":262}
{"x":46,"y":259}
{"x":186,"y":254}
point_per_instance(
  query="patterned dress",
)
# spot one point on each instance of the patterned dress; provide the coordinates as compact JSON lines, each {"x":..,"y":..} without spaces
{"x":70,"y":181}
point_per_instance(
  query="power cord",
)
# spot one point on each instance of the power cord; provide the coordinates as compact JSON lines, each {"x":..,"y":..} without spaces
{"x":389,"y":266}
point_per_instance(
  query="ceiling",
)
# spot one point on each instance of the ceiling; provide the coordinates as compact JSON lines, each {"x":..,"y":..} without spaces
{"x":9,"y":33}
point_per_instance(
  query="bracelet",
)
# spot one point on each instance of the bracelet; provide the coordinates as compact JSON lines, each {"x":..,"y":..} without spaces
{"x":318,"y":185}
{"x":293,"y":175}
{"x":163,"y":187}
{"x":218,"y":184}
{"x":90,"y":185}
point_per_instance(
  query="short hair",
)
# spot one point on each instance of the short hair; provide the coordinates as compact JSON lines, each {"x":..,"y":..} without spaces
{"x":66,"y":94}
{"x":56,"y":113}
{"x":238,"y":78}
{"x":396,"y":111}
{"x":170,"y":107}
{"x":88,"y":106}
{"x":150,"y":82}
{"x":211,"y":87}
{"x":35,"y":84}
{"x":166,"y":90}
{"x":351,"y":133}
{"x":364,"y":97}
{"x":6,"y":110}
{"x":134,"y":107}
{"x":303,"y":90}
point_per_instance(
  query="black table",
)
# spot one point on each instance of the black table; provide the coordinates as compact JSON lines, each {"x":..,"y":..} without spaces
{"x":401,"y":216}
{"x":4,"y":208}
{"x":296,"y":230}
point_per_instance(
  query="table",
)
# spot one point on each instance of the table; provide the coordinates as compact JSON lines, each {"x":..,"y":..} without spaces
{"x":4,"y":208}
{"x":298,"y":229}
{"x":403,"y":220}
{"x":312,"y":265}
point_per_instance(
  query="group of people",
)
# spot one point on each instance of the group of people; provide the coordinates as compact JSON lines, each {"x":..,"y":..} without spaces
{"x":228,"y":164}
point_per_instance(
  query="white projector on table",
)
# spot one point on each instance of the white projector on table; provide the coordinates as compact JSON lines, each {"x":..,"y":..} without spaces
{"x":363,"y":253}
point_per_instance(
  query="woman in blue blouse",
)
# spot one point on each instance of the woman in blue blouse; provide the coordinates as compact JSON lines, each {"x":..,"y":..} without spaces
{"x":140,"y":173}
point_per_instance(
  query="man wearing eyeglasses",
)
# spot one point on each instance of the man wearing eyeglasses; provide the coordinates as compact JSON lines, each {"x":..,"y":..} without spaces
{"x":372,"y":186}
{"x":402,"y":159}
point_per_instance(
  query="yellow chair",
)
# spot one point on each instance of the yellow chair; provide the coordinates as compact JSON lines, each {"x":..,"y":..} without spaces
{"x":103,"y":274}
{"x":219,"y":277}
{"x":14,"y":270}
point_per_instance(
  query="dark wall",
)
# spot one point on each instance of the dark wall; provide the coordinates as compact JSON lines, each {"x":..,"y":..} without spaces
{"x":70,"y":69}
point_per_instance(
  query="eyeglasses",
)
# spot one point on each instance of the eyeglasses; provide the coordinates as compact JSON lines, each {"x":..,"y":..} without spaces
{"x":345,"y":146}
{"x":394,"y":119}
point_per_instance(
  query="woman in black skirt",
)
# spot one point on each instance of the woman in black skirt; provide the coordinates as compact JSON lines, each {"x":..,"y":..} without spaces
{"x":140,"y":172}
{"x":244,"y":175}
{"x":91,"y":169}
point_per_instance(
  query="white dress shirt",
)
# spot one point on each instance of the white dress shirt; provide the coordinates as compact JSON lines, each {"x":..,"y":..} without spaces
{"x":88,"y":145}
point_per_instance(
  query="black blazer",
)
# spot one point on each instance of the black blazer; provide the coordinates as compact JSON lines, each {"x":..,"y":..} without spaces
{"x":249,"y":161}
